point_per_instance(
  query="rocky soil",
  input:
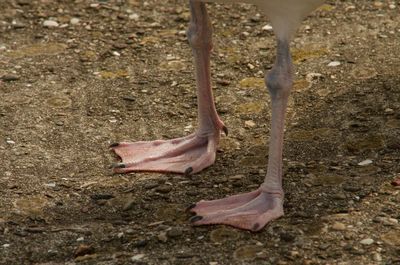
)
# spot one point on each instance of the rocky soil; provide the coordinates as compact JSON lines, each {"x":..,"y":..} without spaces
{"x":78,"y":75}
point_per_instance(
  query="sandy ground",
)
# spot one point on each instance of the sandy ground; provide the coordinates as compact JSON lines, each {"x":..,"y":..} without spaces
{"x":79,"y":75}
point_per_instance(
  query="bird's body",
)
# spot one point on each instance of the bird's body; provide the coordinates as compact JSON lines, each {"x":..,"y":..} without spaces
{"x":191,"y":154}
{"x":285,"y":15}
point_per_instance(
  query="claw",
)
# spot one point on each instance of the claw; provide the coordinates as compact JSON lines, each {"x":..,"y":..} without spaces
{"x":195,"y":218}
{"x":256,"y":227}
{"x":118,"y":165}
{"x":396,"y":182}
{"x":190,"y":207}
{"x":113,"y":145}
{"x":188,"y":171}
{"x":225,"y":130}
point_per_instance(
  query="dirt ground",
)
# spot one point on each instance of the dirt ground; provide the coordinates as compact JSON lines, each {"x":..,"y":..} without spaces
{"x":79,"y":75}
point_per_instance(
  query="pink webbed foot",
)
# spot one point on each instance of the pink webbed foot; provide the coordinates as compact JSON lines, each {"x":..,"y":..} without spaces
{"x":184,"y":155}
{"x":249,"y":211}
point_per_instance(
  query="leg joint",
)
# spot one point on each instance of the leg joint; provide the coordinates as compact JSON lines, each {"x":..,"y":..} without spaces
{"x":199,"y":36}
{"x":200,"y":31}
{"x":279,"y":82}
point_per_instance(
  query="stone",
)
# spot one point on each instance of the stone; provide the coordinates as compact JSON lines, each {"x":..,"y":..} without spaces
{"x":140,"y":243}
{"x":390,"y":221}
{"x":174,"y":232}
{"x":74,"y":21}
{"x":365,"y":162}
{"x":164,"y":189}
{"x":267,"y":27}
{"x":134,"y":17}
{"x":10,"y":77}
{"x":334,"y":64}
{"x":249,"y":124}
{"x":50,"y":24}
{"x":367,"y":241}
{"x":338,"y":226}
{"x":162,"y":237}
{"x":138,"y":257}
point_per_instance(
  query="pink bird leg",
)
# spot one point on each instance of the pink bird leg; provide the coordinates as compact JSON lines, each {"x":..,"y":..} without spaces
{"x":252,"y":210}
{"x":188,"y":154}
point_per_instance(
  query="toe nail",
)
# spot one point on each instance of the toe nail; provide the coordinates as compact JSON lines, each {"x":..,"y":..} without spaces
{"x":256,"y":226}
{"x":225,"y":129}
{"x":114,"y":145}
{"x":190,"y":207}
{"x":188,"y":170}
{"x":195,"y":218}
{"x":119,"y":165}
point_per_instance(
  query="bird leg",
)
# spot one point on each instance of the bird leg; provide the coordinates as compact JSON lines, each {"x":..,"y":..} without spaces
{"x":195,"y":152}
{"x":253,"y":210}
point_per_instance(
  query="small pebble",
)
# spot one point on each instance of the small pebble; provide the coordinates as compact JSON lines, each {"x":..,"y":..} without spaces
{"x":50,"y":185}
{"x":74,"y":21}
{"x":140,"y":243}
{"x":313,"y":76}
{"x":134,"y":17}
{"x":162,"y":237}
{"x":120,"y":46}
{"x":338,"y":226}
{"x":389,"y":111}
{"x":174,"y":232}
{"x":334,"y":63}
{"x":236,"y":177}
{"x":367,"y":241}
{"x":250,"y":66}
{"x":223,"y":82}
{"x":267,"y":27}
{"x":137,"y":257}
{"x":365,"y":162}
{"x":50,"y":24}
{"x":9,"y":77}
{"x":164,"y":189}
{"x":17,"y":25}
{"x":249,"y":124}
{"x":378,"y":4}
{"x":339,"y":196}
{"x":390,"y":221}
